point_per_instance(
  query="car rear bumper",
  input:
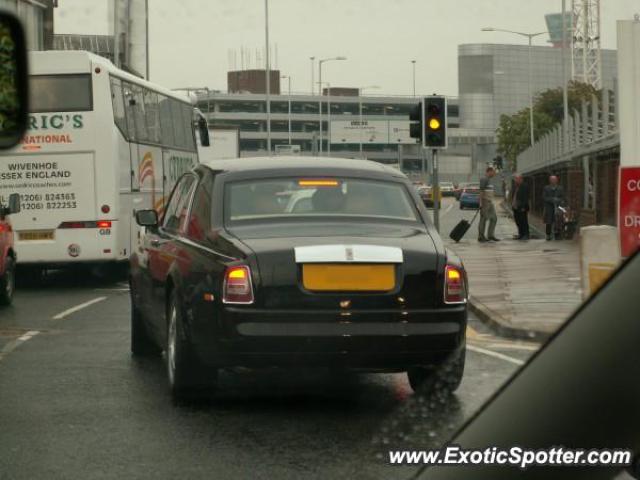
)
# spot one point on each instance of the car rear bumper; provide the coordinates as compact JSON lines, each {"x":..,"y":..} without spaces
{"x":375,"y":340}
{"x":470,"y":203}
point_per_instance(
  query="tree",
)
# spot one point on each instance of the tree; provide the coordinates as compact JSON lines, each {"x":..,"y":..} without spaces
{"x":550,"y":101}
{"x":513,"y":131}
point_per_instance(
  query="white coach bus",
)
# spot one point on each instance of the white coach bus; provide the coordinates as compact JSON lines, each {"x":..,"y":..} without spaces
{"x":101,"y":144}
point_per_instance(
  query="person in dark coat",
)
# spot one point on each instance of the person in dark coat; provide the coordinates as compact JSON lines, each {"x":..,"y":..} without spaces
{"x":552,"y":196}
{"x":520,"y":205}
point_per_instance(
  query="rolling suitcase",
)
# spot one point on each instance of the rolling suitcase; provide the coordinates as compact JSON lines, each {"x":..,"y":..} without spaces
{"x":461,"y":228}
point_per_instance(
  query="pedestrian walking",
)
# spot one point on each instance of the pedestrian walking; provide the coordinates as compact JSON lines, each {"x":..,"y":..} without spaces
{"x":487,"y":208}
{"x":520,"y":206}
{"x":553,"y":197}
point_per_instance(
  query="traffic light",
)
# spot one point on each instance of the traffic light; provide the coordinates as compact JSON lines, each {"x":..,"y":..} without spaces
{"x":415,"y":127}
{"x":435,"y":122}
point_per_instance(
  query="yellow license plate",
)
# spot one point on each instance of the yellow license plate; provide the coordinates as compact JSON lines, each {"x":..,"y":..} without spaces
{"x":349,"y":278}
{"x":36,"y":235}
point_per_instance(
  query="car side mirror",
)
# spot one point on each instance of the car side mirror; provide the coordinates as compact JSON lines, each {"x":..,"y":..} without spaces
{"x":13,"y":81}
{"x":147,"y":218}
{"x":14,"y":204}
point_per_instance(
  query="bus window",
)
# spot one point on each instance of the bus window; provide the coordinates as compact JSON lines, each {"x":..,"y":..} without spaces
{"x":118,"y":105}
{"x":187,"y":122}
{"x":166,"y":122}
{"x":178,"y":124}
{"x":135,"y":111}
{"x":129,"y":100}
{"x":152,"y":116}
{"x":60,"y":93}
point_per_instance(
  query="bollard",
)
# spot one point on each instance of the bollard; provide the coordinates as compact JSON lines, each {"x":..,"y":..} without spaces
{"x":599,"y":256}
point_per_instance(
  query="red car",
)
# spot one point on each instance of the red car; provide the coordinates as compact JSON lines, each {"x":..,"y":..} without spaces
{"x":8,"y":263}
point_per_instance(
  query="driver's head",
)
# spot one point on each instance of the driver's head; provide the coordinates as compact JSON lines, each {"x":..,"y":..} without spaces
{"x":327,"y":200}
{"x":264,"y":199}
{"x":360,"y":199}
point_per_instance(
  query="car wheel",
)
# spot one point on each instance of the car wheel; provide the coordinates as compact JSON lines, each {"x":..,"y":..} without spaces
{"x":188,"y":378}
{"x":8,"y":282}
{"x":141,"y":343}
{"x":444,"y":378}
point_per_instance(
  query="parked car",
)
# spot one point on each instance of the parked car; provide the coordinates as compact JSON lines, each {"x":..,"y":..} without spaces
{"x":470,"y":198}
{"x":7,"y":252}
{"x":221,"y":280}
{"x":426,"y":194}
{"x":461,"y":186}
{"x":447,"y":189}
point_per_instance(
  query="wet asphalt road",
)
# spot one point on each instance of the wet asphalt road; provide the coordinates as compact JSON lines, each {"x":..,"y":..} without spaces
{"x":75,"y":404}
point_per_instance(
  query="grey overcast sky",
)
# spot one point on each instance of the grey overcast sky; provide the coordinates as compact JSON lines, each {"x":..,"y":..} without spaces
{"x":190,"y":40}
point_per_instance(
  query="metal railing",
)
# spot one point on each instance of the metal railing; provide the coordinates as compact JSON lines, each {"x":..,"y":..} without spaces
{"x":591,"y":129}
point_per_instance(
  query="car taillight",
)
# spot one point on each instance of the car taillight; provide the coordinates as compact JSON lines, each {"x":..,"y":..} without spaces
{"x":455,"y":288}
{"x":237,"y":287}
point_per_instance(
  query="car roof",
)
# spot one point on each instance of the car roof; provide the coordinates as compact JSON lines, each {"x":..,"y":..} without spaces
{"x":278,"y":163}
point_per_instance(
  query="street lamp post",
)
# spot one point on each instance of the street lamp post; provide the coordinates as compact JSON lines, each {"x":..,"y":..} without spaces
{"x":288,"y":77}
{"x":313,"y":85}
{"x":328,"y":119}
{"x":320,"y":62}
{"x":413,"y":63}
{"x":267,"y":75}
{"x":565,"y":81}
{"x":530,"y":37}
{"x":360,"y":90}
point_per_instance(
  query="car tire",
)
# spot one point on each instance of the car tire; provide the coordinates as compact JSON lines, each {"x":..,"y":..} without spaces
{"x":8,"y":282}
{"x":444,"y":378}
{"x":461,"y":207}
{"x":188,"y":378}
{"x":142,"y":344}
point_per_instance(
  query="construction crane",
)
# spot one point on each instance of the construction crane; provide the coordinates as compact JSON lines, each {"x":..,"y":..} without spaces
{"x":586,"y":65}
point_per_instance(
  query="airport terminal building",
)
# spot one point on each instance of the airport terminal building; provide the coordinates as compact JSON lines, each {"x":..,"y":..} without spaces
{"x":493,"y":80}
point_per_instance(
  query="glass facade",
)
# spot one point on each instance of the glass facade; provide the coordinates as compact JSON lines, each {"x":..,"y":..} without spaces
{"x":494,"y":79}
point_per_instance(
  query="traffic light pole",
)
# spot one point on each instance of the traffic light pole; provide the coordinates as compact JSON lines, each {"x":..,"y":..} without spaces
{"x":435,"y":188}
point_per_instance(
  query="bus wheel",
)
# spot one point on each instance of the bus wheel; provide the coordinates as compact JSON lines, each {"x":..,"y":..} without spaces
{"x":28,"y":275}
{"x":8,"y":282}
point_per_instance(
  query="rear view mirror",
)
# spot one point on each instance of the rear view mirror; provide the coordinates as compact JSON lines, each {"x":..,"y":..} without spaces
{"x":147,"y":218}
{"x":13,"y":81}
{"x":14,"y":203}
{"x":204,"y":133}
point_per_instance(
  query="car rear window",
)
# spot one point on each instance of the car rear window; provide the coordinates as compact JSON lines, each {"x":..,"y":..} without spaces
{"x":293,"y":198}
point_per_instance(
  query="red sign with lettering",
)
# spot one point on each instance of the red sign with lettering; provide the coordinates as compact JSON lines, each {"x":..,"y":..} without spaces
{"x":629,"y":211}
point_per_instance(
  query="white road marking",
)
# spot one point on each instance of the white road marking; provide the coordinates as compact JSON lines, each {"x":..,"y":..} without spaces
{"x":111,"y":289}
{"x":512,"y":346}
{"x":71,"y":310}
{"x":500,"y":356}
{"x":11,"y":346}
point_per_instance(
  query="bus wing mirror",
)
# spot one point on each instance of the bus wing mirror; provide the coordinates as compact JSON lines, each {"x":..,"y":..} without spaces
{"x":204,"y":133}
{"x":13,"y":81}
{"x":147,"y":218}
{"x":14,"y":203}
